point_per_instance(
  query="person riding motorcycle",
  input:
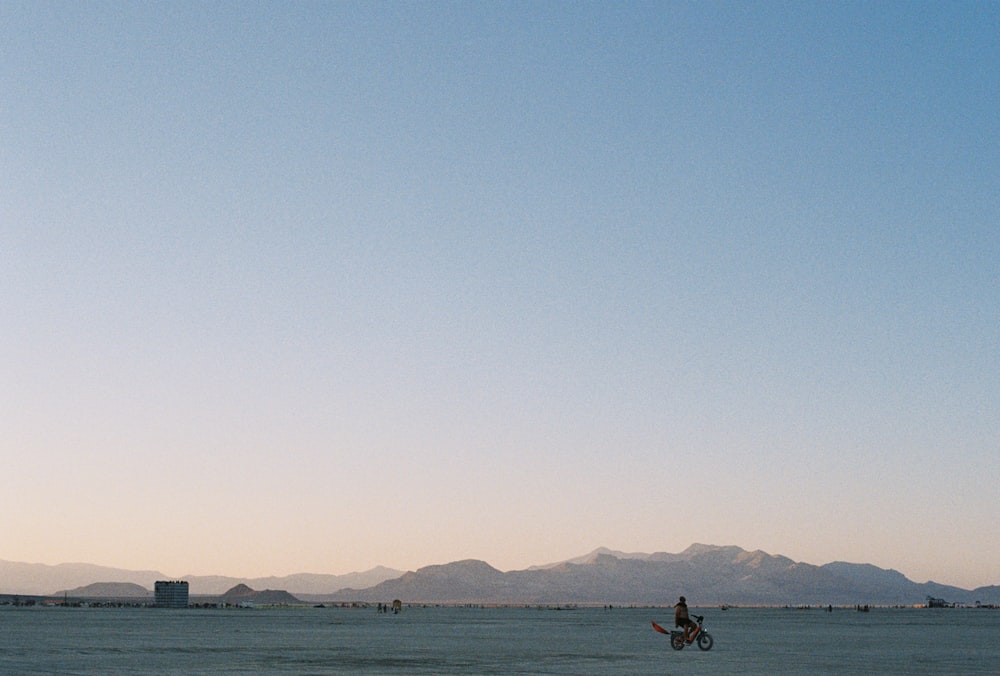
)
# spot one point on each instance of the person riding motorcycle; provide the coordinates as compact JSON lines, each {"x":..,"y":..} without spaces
{"x":681,"y":619}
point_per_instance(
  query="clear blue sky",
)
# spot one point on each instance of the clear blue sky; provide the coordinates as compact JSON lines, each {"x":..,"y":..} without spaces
{"x":320,"y":286}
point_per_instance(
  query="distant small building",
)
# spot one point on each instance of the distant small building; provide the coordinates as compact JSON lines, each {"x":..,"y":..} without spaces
{"x":170,"y":594}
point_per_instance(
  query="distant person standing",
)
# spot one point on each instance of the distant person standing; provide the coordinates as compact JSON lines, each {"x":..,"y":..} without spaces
{"x":681,"y":619}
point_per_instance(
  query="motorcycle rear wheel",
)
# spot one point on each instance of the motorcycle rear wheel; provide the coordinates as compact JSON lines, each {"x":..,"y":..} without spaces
{"x":677,"y":641}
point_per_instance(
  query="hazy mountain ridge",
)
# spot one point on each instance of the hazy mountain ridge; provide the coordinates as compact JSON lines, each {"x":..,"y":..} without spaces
{"x":706,"y":574}
{"x":108,"y":590}
{"x":297,"y":583}
{"x":42,"y":579}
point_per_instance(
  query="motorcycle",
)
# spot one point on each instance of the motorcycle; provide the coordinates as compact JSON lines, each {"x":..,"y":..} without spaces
{"x":700,"y":636}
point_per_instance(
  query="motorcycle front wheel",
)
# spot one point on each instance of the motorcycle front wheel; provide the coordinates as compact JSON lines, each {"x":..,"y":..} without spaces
{"x":677,"y":641}
{"x":705,"y":641}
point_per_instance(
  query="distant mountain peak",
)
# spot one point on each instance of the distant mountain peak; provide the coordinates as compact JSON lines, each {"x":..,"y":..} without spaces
{"x":241,"y":593}
{"x":239,"y":590}
{"x":592,"y":557}
{"x":120,"y":590}
{"x":463,"y":567}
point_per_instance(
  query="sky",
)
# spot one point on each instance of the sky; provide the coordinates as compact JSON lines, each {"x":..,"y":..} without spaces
{"x":315,"y":287}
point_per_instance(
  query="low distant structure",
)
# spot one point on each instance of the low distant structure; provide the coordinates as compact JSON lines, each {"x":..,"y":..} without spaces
{"x":170,"y":594}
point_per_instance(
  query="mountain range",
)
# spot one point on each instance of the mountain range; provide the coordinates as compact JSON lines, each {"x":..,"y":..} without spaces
{"x":41,"y":580}
{"x":706,"y":574}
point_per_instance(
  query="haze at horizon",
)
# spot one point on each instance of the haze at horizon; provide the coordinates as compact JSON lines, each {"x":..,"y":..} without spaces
{"x":318,"y":287}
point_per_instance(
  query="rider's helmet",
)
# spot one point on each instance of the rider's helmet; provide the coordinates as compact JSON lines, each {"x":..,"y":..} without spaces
{"x":683,"y":600}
